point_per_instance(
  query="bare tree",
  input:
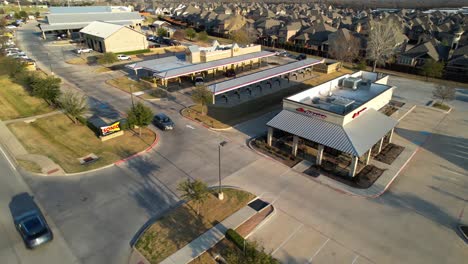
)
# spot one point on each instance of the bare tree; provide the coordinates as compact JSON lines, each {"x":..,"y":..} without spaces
{"x":384,"y":38}
{"x":444,"y":93}
{"x":343,"y":48}
{"x":242,"y":36}
{"x":73,"y":104}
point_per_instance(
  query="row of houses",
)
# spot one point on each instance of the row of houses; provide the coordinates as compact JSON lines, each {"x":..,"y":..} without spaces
{"x":437,"y":35}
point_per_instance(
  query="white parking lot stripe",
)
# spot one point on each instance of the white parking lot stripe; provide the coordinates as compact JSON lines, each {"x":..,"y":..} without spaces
{"x":354,"y":260}
{"x":316,"y":253}
{"x":287,"y":239}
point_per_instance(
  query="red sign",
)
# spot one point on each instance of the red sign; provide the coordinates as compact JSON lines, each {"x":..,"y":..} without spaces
{"x":310,"y":113}
{"x":359,"y":112}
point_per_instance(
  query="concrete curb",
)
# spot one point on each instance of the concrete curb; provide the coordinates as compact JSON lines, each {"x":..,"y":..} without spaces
{"x":333,"y":187}
{"x":264,"y":221}
{"x":155,"y":142}
{"x":438,"y":109}
{"x":203,"y":124}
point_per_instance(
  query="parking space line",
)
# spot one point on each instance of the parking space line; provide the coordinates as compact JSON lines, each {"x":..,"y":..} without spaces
{"x":354,"y":260}
{"x":287,"y":239}
{"x":318,"y":250}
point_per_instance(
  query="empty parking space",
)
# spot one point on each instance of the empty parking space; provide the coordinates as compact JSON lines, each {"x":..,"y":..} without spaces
{"x":333,"y":252}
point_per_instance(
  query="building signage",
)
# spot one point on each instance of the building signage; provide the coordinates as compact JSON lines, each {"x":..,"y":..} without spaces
{"x":359,"y":112}
{"x":107,"y":130}
{"x":311,"y":113}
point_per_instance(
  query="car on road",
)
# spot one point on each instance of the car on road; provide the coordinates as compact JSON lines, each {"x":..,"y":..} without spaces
{"x":123,"y":57}
{"x":230,"y":73}
{"x":85,"y":50}
{"x":163,"y":122}
{"x":29,"y":221}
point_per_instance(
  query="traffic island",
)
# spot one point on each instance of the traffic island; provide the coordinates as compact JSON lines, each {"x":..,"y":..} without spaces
{"x":182,"y":225}
{"x":194,"y":113}
{"x":64,"y":142}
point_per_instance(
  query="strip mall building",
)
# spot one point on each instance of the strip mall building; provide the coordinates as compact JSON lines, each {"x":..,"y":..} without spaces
{"x":342,"y":114}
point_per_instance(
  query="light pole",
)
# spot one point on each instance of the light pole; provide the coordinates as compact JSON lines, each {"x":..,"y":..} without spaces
{"x":220,"y":193}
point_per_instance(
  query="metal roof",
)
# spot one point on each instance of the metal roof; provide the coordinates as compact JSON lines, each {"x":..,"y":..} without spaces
{"x":211,"y":65}
{"x":103,"y":29}
{"x":78,"y":9}
{"x":355,"y":138}
{"x":90,"y":17}
{"x":160,"y":65}
{"x":257,"y":77}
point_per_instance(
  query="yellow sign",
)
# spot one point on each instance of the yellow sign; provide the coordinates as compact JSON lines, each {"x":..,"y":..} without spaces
{"x":110,"y":129}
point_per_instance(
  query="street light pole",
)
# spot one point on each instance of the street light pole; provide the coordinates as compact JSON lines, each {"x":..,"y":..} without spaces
{"x":220,"y":193}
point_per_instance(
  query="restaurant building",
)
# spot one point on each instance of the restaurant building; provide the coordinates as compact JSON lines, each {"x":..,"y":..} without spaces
{"x":342,"y":114}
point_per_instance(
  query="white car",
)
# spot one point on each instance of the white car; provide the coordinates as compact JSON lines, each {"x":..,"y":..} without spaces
{"x":79,"y":51}
{"x":15,"y":53}
{"x":20,"y":56}
{"x":123,"y":57}
{"x":10,"y":27}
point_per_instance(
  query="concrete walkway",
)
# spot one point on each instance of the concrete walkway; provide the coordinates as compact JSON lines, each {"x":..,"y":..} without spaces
{"x":31,"y":118}
{"x":210,"y":237}
{"x":17,"y":150}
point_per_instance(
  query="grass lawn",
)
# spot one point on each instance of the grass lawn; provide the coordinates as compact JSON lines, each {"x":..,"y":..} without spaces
{"x":125,"y":84}
{"x":441,"y":106}
{"x":194,"y":112}
{"x":102,"y":70}
{"x":180,"y":226}
{"x":15,"y":101}
{"x":64,"y":142}
{"x":323,"y":77}
{"x":29,"y":166}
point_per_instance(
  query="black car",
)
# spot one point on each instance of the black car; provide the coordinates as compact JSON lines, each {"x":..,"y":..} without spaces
{"x":230,"y":73}
{"x":163,"y":122}
{"x":29,"y":221}
{"x":301,"y":57}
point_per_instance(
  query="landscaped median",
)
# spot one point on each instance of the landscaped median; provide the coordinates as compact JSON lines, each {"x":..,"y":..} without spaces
{"x":194,"y":113}
{"x":130,"y":86}
{"x":182,"y":225}
{"x":58,"y":138}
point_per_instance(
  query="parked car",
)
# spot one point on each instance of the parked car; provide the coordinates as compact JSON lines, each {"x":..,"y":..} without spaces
{"x":163,"y":122}
{"x":151,"y":38}
{"x":29,"y":221}
{"x":199,"y":81}
{"x":11,"y":50}
{"x":282,"y":53}
{"x":62,"y":36}
{"x":230,"y":73}
{"x":20,"y":56}
{"x":10,"y":26}
{"x":301,"y":57}
{"x":85,"y":50}
{"x":79,"y":40}
{"x":123,"y":57}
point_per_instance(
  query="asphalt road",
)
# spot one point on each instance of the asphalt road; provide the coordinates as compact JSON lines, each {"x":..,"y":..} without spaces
{"x":99,"y":213}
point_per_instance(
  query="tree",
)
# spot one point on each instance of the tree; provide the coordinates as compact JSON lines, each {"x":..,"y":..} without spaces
{"x":17,"y":15}
{"x":108,"y":58}
{"x":383,"y":41}
{"x":47,"y":88}
{"x":37,"y":14}
{"x":162,"y":32}
{"x":253,"y":254}
{"x":241,"y":36}
{"x":344,"y":49}
{"x":23,"y":14}
{"x":191,"y":33}
{"x":203,"y":36}
{"x":432,"y":68}
{"x":139,"y":115}
{"x":194,"y":190}
{"x":201,"y":95}
{"x":73,"y":104}
{"x":149,"y":20}
{"x":444,"y":93}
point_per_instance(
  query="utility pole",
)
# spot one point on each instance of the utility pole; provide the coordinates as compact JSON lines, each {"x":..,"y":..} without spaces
{"x":220,"y":193}
{"x":19,"y":5}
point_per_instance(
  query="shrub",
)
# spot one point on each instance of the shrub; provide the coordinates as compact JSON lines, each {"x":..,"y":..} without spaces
{"x":108,"y":58}
{"x":82,"y":120}
{"x":135,"y":52}
{"x":237,"y":239}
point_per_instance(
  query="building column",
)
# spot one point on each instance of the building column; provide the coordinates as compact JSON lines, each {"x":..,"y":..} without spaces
{"x":353,"y":166}
{"x":390,"y":137}
{"x":295,"y":145}
{"x":318,"y":159}
{"x":368,"y":156}
{"x":43,"y":35}
{"x":380,"y":145}
{"x":270,"y":136}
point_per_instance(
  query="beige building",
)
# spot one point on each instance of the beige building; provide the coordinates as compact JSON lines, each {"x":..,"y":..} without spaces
{"x":108,"y":37}
{"x":196,"y":54}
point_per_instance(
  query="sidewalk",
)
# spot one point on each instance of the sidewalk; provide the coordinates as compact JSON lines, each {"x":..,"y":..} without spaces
{"x":209,"y":238}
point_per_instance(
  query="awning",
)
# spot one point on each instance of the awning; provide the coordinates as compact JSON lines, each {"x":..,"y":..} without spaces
{"x":355,"y":138}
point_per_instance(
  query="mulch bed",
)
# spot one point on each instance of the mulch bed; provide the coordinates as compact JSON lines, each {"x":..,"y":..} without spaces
{"x":363,"y":180}
{"x":254,"y":221}
{"x":396,"y":103}
{"x":388,"y":110}
{"x":288,"y":159}
{"x":389,"y":153}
